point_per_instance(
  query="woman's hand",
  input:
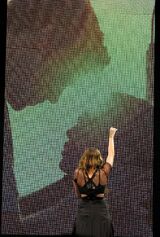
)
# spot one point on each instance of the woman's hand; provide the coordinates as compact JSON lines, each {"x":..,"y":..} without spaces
{"x":112,"y":132}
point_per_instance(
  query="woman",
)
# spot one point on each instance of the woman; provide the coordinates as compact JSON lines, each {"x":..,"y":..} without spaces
{"x":90,"y":180}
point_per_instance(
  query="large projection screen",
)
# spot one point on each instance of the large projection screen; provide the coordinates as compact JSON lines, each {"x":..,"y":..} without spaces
{"x":74,"y":68}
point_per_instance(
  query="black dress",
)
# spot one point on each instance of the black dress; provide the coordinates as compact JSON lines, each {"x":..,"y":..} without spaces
{"x":93,"y":217}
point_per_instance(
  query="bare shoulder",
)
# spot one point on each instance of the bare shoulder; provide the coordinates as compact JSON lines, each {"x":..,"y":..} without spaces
{"x":107,"y":164}
{"x":107,"y":167}
{"x":77,"y":171}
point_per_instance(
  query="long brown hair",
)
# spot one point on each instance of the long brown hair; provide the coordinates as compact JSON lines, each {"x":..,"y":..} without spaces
{"x":91,"y":158}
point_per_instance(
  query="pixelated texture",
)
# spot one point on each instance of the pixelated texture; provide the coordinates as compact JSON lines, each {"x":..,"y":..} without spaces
{"x":74,"y":68}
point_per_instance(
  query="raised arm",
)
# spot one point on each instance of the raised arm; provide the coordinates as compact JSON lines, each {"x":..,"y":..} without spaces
{"x":111,"y":150}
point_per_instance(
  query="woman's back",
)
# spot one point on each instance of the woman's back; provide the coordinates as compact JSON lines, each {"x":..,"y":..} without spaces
{"x":102,"y":174}
{"x":92,"y":183}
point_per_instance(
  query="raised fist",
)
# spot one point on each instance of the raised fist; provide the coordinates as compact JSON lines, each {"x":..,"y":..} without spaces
{"x":112,"y":131}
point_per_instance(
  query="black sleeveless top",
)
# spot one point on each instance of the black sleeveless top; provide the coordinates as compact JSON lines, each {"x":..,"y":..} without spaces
{"x":90,"y":188}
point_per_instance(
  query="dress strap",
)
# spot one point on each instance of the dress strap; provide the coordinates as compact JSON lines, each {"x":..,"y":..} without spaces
{"x":92,"y":175}
{"x":99,"y":176}
{"x":84,"y":176}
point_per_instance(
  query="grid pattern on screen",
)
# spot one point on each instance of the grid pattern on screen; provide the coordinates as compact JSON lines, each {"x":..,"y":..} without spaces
{"x":73,"y":69}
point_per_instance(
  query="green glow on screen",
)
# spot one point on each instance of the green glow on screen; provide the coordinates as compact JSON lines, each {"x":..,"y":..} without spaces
{"x":39,"y":132}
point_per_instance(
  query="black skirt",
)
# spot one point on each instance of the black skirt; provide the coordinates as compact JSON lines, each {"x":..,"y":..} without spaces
{"x":93,"y":219}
